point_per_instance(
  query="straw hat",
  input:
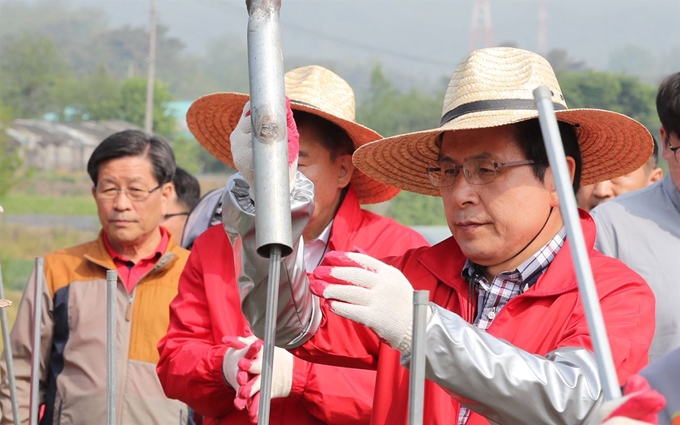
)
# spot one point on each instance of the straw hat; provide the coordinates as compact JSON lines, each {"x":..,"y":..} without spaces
{"x":494,"y":87}
{"x":311,"y":89}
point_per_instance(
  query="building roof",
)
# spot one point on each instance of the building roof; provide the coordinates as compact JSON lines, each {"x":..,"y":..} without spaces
{"x":35,"y":132}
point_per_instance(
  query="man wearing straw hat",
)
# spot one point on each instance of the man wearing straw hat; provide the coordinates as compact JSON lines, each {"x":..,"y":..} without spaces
{"x":507,"y":339}
{"x":209,"y":341}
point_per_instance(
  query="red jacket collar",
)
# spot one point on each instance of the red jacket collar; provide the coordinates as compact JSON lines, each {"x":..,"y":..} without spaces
{"x":445,"y":261}
{"x":346,"y":221}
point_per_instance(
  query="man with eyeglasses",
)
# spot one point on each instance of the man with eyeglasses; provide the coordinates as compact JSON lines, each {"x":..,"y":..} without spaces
{"x":186,"y":192}
{"x":642,"y":228}
{"x":132,"y":177}
{"x":507,"y":339}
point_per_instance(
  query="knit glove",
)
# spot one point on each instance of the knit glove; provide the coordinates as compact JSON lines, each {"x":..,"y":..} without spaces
{"x":242,"y":147}
{"x":238,"y":347}
{"x":368,"y":291}
{"x":639,"y":405}
{"x":249,"y":377}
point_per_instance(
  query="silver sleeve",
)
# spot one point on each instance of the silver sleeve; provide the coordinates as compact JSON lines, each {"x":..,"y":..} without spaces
{"x":508,"y":385}
{"x":299,"y":311}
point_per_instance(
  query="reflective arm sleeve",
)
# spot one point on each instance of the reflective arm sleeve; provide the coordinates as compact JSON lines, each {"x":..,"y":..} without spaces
{"x":299,"y":312}
{"x":489,"y":375}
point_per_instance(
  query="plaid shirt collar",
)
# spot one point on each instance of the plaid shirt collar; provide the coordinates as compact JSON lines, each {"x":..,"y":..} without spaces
{"x":527,"y":273}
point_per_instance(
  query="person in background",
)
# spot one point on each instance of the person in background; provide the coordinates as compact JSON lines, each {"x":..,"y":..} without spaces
{"x":642,"y":228}
{"x":185,"y":195}
{"x":507,"y":340}
{"x":208,"y":336}
{"x":131,"y":176}
{"x":592,"y":195}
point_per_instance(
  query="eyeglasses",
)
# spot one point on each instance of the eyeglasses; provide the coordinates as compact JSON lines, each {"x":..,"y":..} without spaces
{"x":134,"y":194}
{"x":168,"y":216}
{"x":476,"y":171}
{"x":673,"y":149}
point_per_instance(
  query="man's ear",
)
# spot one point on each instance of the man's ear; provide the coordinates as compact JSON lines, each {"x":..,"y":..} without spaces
{"x":166,"y":194}
{"x":552,"y":185}
{"x":655,"y":175}
{"x":345,"y":170}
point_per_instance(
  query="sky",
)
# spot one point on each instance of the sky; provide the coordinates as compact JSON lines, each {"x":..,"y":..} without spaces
{"x":427,"y":37}
{"x":418,"y":38}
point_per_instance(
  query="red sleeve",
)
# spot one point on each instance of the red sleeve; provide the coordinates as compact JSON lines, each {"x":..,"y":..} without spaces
{"x":190,"y":365}
{"x":332,"y":394}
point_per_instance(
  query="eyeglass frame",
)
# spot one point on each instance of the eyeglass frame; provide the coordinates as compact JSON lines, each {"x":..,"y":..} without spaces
{"x":673,"y":149}
{"x":171,"y":215}
{"x":119,"y":191}
{"x":496,"y":165}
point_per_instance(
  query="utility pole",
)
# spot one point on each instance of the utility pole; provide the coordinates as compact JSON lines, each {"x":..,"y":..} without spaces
{"x":542,"y":28}
{"x":148,"y":117}
{"x":481,"y":10}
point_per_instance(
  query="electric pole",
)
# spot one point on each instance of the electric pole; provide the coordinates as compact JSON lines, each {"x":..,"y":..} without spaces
{"x":148,"y":117}
{"x":542,"y":28}
{"x":481,"y":10}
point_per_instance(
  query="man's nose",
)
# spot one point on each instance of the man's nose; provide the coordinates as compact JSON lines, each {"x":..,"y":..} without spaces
{"x":121,"y":202}
{"x":603,"y":190}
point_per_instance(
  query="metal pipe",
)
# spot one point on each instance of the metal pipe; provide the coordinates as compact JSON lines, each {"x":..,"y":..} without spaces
{"x":37,"y":325}
{"x":579,"y":252}
{"x":270,"y":132}
{"x":418,"y":357}
{"x":270,"y":165}
{"x":9,"y":359}
{"x":111,"y":344}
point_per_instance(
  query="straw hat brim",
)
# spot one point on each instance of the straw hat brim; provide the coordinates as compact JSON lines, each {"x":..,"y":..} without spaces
{"x":611,"y":145}
{"x":212,"y":118}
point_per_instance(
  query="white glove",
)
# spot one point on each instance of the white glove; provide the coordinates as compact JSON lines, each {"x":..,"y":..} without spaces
{"x":242,"y":147}
{"x":249,"y":378}
{"x":1,"y":210}
{"x":369,"y":292}
{"x":238,"y":348}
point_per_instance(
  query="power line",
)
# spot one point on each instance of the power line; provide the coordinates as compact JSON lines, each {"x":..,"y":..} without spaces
{"x":352,"y":43}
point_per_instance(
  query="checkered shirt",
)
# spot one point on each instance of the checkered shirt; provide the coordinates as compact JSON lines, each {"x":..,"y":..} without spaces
{"x":492,"y":297}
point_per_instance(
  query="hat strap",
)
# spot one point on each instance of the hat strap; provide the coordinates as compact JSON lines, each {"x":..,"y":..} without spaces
{"x":493,"y":105}
{"x":297,"y":102}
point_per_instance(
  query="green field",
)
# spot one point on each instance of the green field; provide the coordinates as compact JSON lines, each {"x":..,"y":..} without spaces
{"x":21,"y":203}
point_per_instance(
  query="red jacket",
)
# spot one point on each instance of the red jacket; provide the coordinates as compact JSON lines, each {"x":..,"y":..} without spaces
{"x":207,"y":308}
{"x":548,"y":316}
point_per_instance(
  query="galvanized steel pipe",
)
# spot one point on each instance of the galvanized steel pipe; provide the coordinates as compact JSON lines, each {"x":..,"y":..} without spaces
{"x":9,"y":358}
{"x":37,"y":327}
{"x":579,"y":252}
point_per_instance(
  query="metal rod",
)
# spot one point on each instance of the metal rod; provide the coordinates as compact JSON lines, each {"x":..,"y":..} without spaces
{"x":111,"y":344}
{"x":9,"y":358}
{"x":579,"y":252}
{"x":269,"y":334}
{"x":35,"y":354}
{"x":418,"y":357}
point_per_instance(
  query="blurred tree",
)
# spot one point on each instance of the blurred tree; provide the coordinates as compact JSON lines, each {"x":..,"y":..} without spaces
{"x":413,"y":209}
{"x":634,"y":60}
{"x":187,"y":153}
{"x":561,"y":62}
{"x":10,"y":161}
{"x":94,"y":97}
{"x":615,"y":92}
{"x":133,"y":105}
{"x":391,"y":112}
{"x":30,"y":69}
